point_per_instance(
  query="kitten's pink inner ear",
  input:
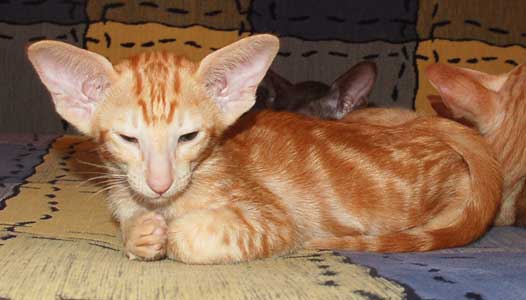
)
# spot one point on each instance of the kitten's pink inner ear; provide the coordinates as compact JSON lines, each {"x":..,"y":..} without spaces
{"x":464,"y":95}
{"x":95,"y":86}
{"x":232,"y":74}
{"x":76,"y":78}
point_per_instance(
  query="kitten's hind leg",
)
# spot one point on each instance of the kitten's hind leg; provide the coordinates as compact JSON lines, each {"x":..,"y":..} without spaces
{"x":230,"y":234}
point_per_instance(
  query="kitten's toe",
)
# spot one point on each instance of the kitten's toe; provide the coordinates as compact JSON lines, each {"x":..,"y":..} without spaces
{"x":149,"y":247}
{"x":147,"y":240}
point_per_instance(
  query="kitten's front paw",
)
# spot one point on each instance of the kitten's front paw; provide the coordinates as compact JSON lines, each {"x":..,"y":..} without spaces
{"x":207,"y":237}
{"x":145,"y":239}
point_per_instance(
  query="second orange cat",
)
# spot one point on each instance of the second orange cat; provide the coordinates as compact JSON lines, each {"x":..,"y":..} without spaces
{"x":496,"y":106}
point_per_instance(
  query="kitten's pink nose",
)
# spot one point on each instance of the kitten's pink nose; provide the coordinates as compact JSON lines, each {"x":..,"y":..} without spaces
{"x":159,"y":175}
{"x":159,"y":185}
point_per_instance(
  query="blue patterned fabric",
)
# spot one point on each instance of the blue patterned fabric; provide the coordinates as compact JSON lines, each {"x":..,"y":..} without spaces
{"x":492,"y":268}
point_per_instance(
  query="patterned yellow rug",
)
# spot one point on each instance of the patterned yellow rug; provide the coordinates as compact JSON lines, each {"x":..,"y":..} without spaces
{"x":59,"y":242}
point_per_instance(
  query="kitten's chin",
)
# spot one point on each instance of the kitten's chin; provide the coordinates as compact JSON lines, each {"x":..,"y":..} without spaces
{"x":151,"y":200}
{"x":155,"y":201}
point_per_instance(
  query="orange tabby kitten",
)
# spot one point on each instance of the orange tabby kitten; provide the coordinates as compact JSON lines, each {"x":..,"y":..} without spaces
{"x":200,"y":189}
{"x":496,"y":105}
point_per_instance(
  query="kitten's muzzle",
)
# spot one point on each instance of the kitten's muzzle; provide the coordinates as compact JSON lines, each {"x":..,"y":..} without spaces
{"x":159,"y":174}
{"x":158,"y":185}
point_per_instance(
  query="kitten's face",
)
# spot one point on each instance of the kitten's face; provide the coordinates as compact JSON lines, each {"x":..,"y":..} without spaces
{"x":155,"y":124}
{"x":156,"y":114}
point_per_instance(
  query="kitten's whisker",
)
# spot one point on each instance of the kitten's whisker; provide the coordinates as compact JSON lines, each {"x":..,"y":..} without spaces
{"x":107,"y":176}
{"x":107,"y":188}
{"x":86,"y":172}
{"x":107,"y":179}
{"x":103,"y":183}
{"x":122,"y":190}
{"x":98,"y":165}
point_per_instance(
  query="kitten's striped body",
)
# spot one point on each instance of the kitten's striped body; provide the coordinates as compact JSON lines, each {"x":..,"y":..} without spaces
{"x":202,"y":191}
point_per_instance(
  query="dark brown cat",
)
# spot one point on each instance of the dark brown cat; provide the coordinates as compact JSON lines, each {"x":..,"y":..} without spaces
{"x":316,"y":99}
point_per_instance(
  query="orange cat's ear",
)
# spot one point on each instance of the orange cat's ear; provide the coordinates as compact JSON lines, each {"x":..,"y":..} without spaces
{"x":352,"y":88}
{"x":231,"y":75}
{"x":466,"y":93}
{"x":442,"y":110}
{"x":77,"y":79}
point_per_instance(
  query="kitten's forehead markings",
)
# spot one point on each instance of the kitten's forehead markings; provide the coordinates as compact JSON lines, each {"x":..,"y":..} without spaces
{"x":171,"y":112}
{"x":134,"y":120}
{"x":144,"y":111}
{"x":157,"y":83}
{"x":186,"y":121}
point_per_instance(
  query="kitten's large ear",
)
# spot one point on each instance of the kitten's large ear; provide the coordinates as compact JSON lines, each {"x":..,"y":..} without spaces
{"x":77,"y":79}
{"x":466,"y":93}
{"x":351,"y":89}
{"x":440,"y":107}
{"x":231,"y":74}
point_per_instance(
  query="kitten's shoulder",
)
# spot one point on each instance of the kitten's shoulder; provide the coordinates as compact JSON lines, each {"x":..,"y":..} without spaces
{"x":272,"y":120}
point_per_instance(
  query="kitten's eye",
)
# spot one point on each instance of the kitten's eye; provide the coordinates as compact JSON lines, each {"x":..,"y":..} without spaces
{"x":129,"y":139}
{"x":188,"y":137}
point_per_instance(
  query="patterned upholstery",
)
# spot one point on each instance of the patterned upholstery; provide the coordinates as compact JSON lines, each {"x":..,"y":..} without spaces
{"x":320,"y":39}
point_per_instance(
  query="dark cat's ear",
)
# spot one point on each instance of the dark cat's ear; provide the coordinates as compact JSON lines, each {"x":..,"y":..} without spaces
{"x":77,"y":79}
{"x":350,"y":90}
{"x":271,"y":88}
{"x":465,"y":94}
{"x":232,"y":74}
{"x":279,"y":83}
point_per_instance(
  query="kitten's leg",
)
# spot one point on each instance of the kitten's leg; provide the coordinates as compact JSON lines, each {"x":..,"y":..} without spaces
{"x":144,"y":236}
{"x":230,"y":234}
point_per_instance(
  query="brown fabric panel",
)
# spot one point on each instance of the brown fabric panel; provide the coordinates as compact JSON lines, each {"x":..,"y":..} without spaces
{"x":472,"y":54}
{"x":343,"y":20}
{"x":53,"y":11}
{"x":217,"y":14}
{"x":498,"y":22}
{"x":25,"y":104}
{"x":326,"y":60}
{"x":117,"y":41}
